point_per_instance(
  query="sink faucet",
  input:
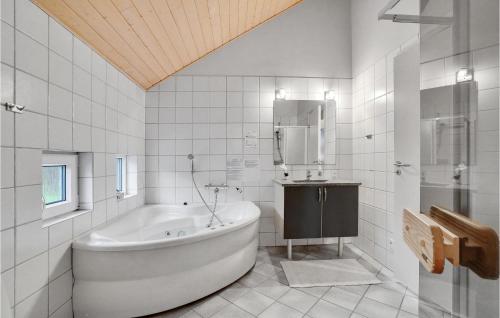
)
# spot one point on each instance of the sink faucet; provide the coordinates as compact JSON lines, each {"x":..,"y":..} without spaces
{"x":308,"y":174}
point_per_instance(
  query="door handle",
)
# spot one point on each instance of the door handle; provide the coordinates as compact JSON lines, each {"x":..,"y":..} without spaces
{"x":400,"y":164}
{"x":325,"y":194}
{"x":320,"y":195}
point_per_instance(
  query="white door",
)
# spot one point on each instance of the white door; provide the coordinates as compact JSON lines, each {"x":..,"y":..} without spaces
{"x":406,"y":152}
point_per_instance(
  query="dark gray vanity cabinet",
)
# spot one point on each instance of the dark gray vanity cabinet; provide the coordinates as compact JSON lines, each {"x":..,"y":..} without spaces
{"x":302,"y":212}
{"x":320,"y":211}
{"x":340,"y":211}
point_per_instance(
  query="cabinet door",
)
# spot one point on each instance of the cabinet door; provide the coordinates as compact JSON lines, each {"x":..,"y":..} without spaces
{"x":302,"y":212}
{"x":340,"y":211}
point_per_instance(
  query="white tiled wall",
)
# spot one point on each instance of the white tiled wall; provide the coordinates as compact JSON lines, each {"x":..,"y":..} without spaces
{"x":210,"y":116}
{"x":75,"y":101}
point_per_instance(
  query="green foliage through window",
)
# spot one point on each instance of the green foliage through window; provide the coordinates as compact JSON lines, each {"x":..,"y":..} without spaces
{"x":54,"y":184}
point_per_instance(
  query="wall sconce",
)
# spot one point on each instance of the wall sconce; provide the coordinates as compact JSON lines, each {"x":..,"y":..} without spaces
{"x":329,"y":95}
{"x":464,"y":75}
{"x":280,"y":93}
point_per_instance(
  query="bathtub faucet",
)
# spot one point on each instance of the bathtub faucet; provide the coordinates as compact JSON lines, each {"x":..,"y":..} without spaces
{"x":217,"y":187}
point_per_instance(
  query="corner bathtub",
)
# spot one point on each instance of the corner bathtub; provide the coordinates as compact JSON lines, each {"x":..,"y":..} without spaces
{"x":159,"y":257}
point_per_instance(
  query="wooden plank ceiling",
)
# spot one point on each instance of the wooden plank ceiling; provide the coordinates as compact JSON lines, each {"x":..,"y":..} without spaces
{"x":150,"y":40}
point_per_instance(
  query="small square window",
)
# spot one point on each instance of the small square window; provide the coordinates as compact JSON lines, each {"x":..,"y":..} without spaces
{"x":121,"y":175}
{"x":54,"y":184}
{"x":59,"y":184}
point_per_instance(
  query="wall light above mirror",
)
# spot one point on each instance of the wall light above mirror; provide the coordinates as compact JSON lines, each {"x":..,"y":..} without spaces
{"x":329,"y":95}
{"x":280,"y":94}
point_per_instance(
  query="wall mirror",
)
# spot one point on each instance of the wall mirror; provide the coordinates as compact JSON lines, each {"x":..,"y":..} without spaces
{"x":304,"y":132}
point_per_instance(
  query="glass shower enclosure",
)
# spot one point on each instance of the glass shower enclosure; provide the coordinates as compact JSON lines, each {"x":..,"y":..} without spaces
{"x":459,"y":133}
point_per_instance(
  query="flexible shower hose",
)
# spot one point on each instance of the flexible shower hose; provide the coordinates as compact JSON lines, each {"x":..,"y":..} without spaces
{"x":205,"y":202}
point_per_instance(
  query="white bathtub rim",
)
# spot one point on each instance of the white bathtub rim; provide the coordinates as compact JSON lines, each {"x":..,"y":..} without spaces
{"x":82,"y":243}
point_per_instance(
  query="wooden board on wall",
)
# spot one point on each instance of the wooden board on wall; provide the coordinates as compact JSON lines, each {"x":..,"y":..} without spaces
{"x":149,"y":40}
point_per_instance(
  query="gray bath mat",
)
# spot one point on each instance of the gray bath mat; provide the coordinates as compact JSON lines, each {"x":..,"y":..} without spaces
{"x":334,"y":272}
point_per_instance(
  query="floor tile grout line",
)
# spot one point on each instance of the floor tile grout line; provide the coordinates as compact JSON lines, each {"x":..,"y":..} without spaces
{"x":360,"y":299}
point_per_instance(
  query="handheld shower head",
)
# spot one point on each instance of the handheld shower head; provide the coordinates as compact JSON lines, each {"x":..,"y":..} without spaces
{"x":190,"y":156}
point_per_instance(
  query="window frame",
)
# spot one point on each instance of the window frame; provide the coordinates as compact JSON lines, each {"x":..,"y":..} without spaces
{"x":123,"y":170}
{"x":70,"y":161}
{"x":63,"y":185}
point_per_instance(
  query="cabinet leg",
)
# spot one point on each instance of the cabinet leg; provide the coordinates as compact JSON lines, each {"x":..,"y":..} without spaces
{"x":289,"y":248}
{"x":340,"y":245}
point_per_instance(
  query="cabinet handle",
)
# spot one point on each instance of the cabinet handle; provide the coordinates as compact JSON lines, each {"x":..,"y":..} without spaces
{"x":325,"y":194}
{"x":319,"y":195}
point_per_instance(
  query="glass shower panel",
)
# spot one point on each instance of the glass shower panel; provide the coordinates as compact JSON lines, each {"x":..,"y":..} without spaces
{"x":460,"y":136}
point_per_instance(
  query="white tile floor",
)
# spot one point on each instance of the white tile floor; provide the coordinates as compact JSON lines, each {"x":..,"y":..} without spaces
{"x":263,"y":292}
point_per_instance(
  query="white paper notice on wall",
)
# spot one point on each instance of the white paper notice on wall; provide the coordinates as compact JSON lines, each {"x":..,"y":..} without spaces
{"x":250,"y":145}
{"x":252,"y":171}
{"x":234,"y":170}
{"x":252,"y":163}
{"x":251,"y":140}
{"x":234,"y":163}
{"x":234,"y":177}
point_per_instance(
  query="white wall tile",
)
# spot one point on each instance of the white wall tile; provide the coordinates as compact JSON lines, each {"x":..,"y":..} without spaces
{"x":82,"y":82}
{"x":60,"y":291}
{"x":59,"y":260}
{"x":7,"y":208}
{"x":60,"y":134}
{"x":217,"y":83}
{"x":98,"y":66}
{"x":32,"y":21}
{"x":184,"y":83}
{"x":82,"y":110}
{"x":31,"y":56}
{"x":168,"y":85}
{"x":34,"y":306}
{"x":82,"y":138}
{"x":28,"y":162}
{"x":60,"y":71}
{"x":82,"y":55}
{"x":65,"y":311}
{"x":7,"y":120}
{"x":7,"y":11}
{"x":234,"y":99}
{"x":60,"y":102}
{"x":8,"y":250}
{"x":30,"y":130}
{"x":201,"y":84}
{"x":234,"y":83}
{"x":31,"y":276}
{"x":60,"y":233}
{"x":98,"y":90}
{"x":60,"y":40}
{"x":7,"y":163}
{"x":31,"y":240}
{"x":250,"y":83}
{"x":31,"y":92}
{"x":82,"y":223}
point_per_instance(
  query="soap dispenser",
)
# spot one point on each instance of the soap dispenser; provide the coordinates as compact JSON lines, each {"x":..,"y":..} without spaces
{"x":285,"y":172}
